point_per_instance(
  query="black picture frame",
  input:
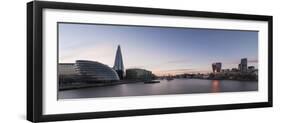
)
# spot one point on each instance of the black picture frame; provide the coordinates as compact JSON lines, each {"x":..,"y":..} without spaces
{"x":34,"y":60}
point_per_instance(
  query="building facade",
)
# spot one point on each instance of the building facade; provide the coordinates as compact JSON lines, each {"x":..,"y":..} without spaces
{"x":67,"y":73}
{"x":93,"y":71}
{"x":118,"y":63}
{"x":214,"y":67}
{"x":138,"y":74}
{"x":217,"y":67}
{"x":85,"y":71}
{"x":67,"y":69}
{"x":244,"y":65}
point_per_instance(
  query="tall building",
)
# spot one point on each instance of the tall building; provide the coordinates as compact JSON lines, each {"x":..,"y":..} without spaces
{"x":244,"y":65}
{"x":118,"y":64}
{"x":214,"y":67}
{"x":217,"y":67}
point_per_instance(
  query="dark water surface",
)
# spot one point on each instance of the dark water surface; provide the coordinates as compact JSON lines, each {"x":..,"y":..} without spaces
{"x":176,"y":86}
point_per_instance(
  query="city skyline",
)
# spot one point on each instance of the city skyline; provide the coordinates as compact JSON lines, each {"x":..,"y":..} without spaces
{"x":159,"y":49}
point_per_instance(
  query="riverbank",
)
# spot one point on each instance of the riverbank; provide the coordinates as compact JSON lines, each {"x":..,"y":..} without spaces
{"x":89,"y":85}
{"x":103,"y":84}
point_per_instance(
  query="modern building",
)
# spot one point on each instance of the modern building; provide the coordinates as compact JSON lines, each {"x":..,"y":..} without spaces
{"x":66,"y":69}
{"x":217,"y":67}
{"x":243,"y":65}
{"x":138,"y":74}
{"x":67,"y":73}
{"x":118,"y":64}
{"x":93,"y":71}
{"x":214,"y":67}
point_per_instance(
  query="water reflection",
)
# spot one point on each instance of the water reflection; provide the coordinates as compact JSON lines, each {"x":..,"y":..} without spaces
{"x":176,"y":86}
{"x":215,"y":86}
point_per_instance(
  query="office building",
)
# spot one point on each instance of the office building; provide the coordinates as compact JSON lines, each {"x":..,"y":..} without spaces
{"x":214,"y":67}
{"x":93,"y":71}
{"x":243,"y":65}
{"x":217,"y":67}
{"x":138,"y":74}
{"x":67,"y":73}
{"x":118,"y":64}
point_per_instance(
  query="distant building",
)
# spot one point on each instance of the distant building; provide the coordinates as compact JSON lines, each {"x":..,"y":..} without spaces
{"x":138,"y":74}
{"x":214,"y":67}
{"x":217,"y":67}
{"x":118,"y":64}
{"x":234,"y":70}
{"x":239,"y":67}
{"x":93,"y":71}
{"x":225,"y":70}
{"x":243,"y":65}
{"x":251,"y":69}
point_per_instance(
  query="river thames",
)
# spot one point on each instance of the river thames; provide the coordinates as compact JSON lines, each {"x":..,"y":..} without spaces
{"x":176,"y":86}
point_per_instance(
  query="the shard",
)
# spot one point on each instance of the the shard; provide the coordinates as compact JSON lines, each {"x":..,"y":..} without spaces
{"x":118,"y":64}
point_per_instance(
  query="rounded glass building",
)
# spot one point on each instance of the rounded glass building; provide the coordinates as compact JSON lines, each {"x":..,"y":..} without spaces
{"x":95,"y":71}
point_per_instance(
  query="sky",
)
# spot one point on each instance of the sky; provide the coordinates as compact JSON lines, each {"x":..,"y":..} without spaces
{"x":161,"y":50}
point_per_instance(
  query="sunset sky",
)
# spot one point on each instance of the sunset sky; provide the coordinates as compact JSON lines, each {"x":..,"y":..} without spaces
{"x":159,"y":49}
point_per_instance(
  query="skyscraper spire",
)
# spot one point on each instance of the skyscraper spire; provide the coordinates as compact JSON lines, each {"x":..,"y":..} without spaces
{"x":118,"y":64}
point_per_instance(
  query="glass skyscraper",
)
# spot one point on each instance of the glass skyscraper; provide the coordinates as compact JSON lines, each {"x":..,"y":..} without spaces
{"x":118,"y":64}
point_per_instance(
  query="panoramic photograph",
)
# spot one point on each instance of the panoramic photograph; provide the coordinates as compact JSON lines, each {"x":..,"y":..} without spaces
{"x":103,"y":60}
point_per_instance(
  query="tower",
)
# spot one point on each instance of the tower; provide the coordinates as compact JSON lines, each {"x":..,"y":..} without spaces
{"x":244,"y":65}
{"x":218,"y":66}
{"x":118,"y":64}
{"x":214,"y":67}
